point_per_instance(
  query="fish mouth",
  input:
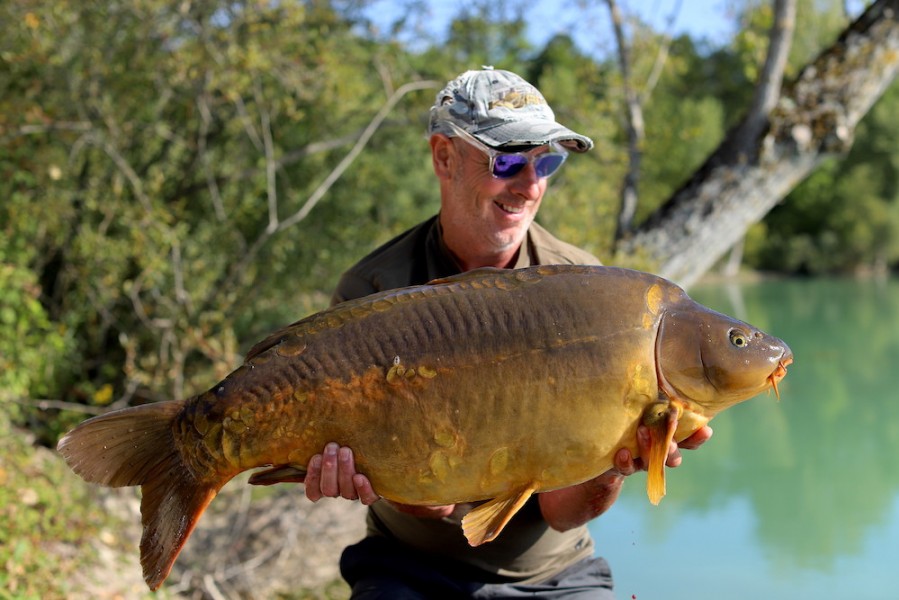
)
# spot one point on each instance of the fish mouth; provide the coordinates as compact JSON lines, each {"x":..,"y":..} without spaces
{"x":779,"y":373}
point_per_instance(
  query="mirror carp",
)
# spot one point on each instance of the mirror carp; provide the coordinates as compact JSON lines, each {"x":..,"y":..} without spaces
{"x":491,"y":385}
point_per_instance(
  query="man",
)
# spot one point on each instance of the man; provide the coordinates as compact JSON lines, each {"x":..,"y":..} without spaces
{"x":494,"y":144}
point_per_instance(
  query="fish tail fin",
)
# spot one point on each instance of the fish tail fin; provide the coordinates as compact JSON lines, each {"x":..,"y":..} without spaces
{"x":170,"y":508}
{"x":123,"y":447}
{"x":136,"y":446}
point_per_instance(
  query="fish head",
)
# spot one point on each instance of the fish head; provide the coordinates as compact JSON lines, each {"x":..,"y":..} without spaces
{"x":713,"y":361}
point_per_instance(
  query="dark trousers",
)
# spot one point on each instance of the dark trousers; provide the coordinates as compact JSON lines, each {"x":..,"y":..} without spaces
{"x":378,"y":568}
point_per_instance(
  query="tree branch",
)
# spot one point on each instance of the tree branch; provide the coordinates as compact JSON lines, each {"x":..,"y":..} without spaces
{"x":250,"y":255}
{"x":635,"y":128}
{"x":661,"y":55}
{"x":634,"y":101}
{"x":744,"y":140}
{"x":355,"y":151}
{"x":814,"y":118}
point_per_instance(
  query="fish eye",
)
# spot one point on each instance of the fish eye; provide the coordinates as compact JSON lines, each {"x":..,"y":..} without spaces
{"x":738,"y":338}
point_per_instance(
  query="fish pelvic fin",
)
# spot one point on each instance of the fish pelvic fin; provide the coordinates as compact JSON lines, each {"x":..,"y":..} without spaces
{"x":136,"y":446}
{"x":486,"y":521}
{"x":279,"y":474}
{"x":661,"y":420}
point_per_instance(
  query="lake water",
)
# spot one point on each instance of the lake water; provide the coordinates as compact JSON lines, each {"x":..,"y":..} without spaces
{"x":797,"y":499}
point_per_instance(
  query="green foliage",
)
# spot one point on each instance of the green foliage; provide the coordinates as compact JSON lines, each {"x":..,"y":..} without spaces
{"x":484,"y":34}
{"x":819,"y":22}
{"x":32,"y":348}
{"x":582,"y":200}
{"x":751,"y":42}
{"x":178,"y":141}
{"x":36,"y":353}
{"x":685,"y":120}
{"x":833,"y":223}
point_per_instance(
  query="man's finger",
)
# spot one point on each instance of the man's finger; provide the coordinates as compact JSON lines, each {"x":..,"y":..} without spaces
{"x":346,"y":468}
{"x":329,"y":485}
{"x":363,"y":487}
{"x":313,"y":478}
{"x":699,"y":437}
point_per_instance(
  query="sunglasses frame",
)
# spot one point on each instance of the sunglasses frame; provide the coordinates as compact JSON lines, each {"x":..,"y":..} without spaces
{"x":556,"y":150}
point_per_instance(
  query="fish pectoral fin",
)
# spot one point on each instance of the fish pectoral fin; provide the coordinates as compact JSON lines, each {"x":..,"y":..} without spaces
{"x":279,"y":474}
{"x":485,"y":522}
{"x":662,"y":424}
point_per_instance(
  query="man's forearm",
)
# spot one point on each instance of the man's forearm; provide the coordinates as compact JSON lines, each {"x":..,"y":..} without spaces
{"x":573,"y":506}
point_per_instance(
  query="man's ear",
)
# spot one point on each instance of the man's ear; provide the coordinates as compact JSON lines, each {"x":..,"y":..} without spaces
{"x":443,"y":155}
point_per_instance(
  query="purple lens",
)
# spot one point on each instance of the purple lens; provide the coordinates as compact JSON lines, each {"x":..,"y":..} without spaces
{"x":508,"y":165}
{"x":547,"y":164}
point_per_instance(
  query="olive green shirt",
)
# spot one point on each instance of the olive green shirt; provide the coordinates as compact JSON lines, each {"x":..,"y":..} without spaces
{"x":528,"y":550}
{"x":419,"y":255}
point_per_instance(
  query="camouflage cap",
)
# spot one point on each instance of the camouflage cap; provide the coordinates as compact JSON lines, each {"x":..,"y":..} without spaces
{"x":500,"y":109}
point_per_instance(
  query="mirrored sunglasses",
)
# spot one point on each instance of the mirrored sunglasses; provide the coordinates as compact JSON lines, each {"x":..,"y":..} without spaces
{"x":504,"y":165}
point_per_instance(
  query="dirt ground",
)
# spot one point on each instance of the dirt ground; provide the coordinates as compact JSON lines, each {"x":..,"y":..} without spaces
{"x":280,"y":545}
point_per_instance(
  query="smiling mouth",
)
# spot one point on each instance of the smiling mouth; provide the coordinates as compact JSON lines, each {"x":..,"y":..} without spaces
{"x":514,"y":210}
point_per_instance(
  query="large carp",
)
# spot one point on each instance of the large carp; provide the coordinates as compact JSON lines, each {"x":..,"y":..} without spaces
{"x":461,"y":390}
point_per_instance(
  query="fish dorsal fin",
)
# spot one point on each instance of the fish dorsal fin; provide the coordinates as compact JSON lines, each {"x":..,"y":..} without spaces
{"x":486,"y":521}
{"x":469,"y":275}
{"x":661,"y":420}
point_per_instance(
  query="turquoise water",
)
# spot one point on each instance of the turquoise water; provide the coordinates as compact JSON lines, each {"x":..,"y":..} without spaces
{"x":793,"y":499}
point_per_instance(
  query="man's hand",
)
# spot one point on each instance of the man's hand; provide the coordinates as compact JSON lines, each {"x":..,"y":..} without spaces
{"x":332,"y":474}
{"x":626,"y":464}
{"x":571,"y":507}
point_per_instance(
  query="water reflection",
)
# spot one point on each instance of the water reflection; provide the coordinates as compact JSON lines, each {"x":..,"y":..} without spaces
{"x":812,"y":480}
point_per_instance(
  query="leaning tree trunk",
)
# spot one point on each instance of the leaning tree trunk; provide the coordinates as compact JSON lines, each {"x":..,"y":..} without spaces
{"x":814,"y":118}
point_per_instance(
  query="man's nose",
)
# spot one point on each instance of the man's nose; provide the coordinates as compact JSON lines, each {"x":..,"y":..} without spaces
{"x":526,"y":183}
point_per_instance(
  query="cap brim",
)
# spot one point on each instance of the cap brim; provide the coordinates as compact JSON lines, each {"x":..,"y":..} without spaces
{"x":532,"y":133}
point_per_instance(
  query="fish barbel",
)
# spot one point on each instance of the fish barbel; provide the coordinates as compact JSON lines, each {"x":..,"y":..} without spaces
{"x":491,"y":385}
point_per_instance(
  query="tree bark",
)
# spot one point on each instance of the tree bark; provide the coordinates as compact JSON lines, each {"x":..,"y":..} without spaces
{"x":634,"y":102}
{"x":635,"y":129}
{"x":814,"y":118}
{"x":742,"y":145}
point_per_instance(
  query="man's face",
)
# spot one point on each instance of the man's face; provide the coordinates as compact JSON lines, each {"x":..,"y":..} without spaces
{"x":481,"y":214}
